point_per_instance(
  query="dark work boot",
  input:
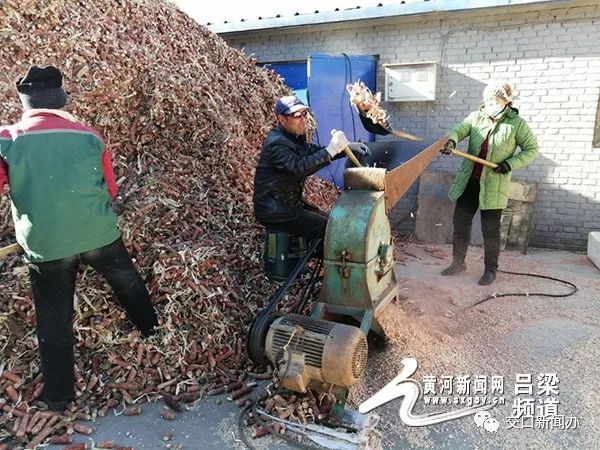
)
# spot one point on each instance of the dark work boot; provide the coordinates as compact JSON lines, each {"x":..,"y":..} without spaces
{"x":454,"y":268}
{"x":52,"y":405}
{"x":488,"y":277}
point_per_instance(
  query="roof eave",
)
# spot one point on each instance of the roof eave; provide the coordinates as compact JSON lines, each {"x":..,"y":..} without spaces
{"x":375,"y":12}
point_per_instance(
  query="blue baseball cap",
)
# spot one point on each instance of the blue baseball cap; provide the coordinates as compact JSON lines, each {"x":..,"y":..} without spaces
{"x":289,"y":105}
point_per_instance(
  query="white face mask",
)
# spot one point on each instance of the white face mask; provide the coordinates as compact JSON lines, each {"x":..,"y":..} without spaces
{"x":492,"y":107}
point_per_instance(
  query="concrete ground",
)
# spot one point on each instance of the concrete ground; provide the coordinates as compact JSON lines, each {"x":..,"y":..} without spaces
{"x":432,"y":323}
{"x":208,"y":424}
{"x":506,"y":336}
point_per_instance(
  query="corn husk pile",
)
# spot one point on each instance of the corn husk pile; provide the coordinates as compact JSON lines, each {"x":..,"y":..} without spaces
{"x":367,"y":102}
{"x":184,"y":116}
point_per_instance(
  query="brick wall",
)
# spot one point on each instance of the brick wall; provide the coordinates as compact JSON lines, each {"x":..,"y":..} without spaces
{"x":552,"y":56}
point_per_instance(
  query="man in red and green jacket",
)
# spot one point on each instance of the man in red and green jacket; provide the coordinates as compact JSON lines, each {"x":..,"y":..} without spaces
{"x":62,"y":188}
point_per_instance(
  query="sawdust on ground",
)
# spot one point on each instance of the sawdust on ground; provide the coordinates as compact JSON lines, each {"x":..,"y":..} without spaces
{"x":432,"y":323}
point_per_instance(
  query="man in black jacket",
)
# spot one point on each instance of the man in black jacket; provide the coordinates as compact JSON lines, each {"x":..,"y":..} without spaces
{"x":286,"y":160}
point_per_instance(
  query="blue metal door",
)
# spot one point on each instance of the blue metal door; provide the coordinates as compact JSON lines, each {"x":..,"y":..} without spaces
{"x":329,"y":101}
{"x":294,"y":75}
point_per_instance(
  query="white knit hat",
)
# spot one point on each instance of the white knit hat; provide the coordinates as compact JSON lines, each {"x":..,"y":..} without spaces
{"x":499,"y":88}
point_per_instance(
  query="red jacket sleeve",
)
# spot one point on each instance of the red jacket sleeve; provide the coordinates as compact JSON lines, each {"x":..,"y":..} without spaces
{"x":3,"y":174}
{"x":109,"y":175}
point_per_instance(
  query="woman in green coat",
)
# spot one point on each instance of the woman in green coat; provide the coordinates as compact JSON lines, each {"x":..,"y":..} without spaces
{"x":494,"y":131}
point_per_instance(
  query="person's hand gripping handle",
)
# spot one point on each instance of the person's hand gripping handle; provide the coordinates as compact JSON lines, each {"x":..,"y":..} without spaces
{"x":340,"y":143}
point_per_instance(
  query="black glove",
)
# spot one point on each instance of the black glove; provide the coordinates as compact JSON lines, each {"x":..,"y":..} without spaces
{"x":503,"y":167}
{"x":118,"y":205}
{"x":448,"y":147}
{"x":359,"y":148}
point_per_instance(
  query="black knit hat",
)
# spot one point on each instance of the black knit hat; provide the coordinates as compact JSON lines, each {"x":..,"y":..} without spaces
{"x":41,"y":87}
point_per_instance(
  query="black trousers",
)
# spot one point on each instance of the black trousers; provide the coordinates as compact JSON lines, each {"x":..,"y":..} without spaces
{"x":466,"y":206}
{"x":311,"y":225}
{"x":53,"y":286}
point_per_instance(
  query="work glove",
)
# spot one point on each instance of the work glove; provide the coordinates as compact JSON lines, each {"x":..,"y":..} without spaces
{"x":503,"y":167}
{"x":359,"y":149}
{"x":448,"y":147}
{"x":118,"y":205}
{"x":338,"y":142}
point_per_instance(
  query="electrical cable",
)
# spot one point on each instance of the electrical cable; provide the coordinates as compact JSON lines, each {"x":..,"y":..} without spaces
{"x":319,"y":140}
{"x":311,"y":289}
{"x":348,"y":67}
{"x":301,"y":445}
{"x":526,"y":294}
{"x":240,"y":427}
{"x":276,"y":298}
{"x":285,"y":351}
{"x":267,"y":427}
{"x":349,"y":80}
{"x":308,"y":289}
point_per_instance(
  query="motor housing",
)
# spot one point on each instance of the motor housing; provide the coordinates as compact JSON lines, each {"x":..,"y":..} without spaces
{"x":312,"y":352}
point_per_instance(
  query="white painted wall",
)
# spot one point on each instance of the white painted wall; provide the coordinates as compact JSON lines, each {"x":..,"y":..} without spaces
{"x":551,"y":55}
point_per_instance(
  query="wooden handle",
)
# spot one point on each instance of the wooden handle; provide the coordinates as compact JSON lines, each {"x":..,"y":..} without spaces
{"x":351,"y":157}
{"x":407,"y":136}
{"x":9,"y":249}
{"x":474,"y":159}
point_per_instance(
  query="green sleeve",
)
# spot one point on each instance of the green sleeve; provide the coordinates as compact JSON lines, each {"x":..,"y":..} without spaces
{"x":462,"y":130}
{"x":528,"y":145}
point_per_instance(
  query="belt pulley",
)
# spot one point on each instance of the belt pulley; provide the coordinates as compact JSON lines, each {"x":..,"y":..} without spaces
{"x":257,"y":334}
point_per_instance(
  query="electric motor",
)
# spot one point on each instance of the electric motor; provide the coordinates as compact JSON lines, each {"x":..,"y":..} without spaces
{"x":310,"y":350}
